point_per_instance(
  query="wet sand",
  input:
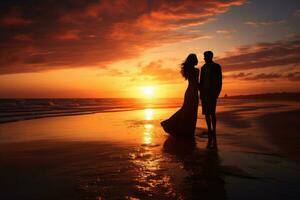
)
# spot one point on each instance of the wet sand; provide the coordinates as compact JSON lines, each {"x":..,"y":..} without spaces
{"x":283,"y":129}
{"x":126,"y":155}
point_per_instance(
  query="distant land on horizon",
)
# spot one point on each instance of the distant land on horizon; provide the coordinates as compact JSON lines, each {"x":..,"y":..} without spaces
{"x":273,"y":96}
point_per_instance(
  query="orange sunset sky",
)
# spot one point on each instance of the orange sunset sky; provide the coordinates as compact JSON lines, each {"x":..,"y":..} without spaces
{"x":133,"y":48}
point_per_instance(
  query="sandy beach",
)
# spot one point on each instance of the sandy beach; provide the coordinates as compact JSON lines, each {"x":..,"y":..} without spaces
{"x":126,"y":155}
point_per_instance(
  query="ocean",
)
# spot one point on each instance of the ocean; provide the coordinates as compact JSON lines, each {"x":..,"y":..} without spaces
{"x":23,"y":109}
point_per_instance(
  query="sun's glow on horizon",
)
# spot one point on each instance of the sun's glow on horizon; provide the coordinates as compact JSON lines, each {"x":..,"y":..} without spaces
{"x":148,"y":91}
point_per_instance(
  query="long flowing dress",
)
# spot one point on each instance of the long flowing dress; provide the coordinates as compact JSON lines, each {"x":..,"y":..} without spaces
{"x":183,"y":122}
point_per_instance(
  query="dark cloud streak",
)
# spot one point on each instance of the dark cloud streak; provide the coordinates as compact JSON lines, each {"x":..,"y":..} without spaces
{"x":263,"y":55}
{"x":271,"y":76}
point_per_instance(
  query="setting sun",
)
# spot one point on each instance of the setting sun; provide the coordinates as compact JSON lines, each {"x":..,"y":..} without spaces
{"x":148,"y":91}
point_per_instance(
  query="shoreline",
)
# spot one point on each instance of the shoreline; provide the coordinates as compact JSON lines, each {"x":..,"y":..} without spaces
{"x":63,"y":114}
{"x":21,"y":115}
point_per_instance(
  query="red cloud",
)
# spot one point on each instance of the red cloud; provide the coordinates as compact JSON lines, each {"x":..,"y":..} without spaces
{"x":297,"y":13}
{"x":14,"y":18}
{"x":94,"y":33}
{"x":156,"y":72}
{"x":68,"y":35}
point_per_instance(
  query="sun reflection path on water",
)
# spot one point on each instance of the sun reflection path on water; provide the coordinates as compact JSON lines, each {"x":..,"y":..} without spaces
{"x":150,"y":176}
{"x":148,"y":134}
{"x":148,"y":126}
{"x":149,"y":112}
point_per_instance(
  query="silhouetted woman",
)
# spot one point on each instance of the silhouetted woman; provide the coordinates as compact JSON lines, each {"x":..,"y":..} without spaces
{"x":183,"y":122}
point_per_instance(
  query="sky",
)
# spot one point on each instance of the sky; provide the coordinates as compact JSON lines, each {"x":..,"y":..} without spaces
{"x":133,"y":48}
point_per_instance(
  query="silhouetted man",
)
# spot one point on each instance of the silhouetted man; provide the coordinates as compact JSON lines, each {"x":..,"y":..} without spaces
{"x":210,"y":87}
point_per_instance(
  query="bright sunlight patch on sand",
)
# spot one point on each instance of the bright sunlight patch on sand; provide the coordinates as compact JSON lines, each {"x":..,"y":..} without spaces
{"x":149,"y":114}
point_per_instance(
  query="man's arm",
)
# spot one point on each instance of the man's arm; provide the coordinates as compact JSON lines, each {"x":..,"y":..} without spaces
{"x":200,"y":85}
{"x":219,"y":80}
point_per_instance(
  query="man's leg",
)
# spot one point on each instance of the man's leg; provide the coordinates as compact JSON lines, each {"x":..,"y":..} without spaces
{"x":214,"y":123}
{"x":210,"y":136}
{"x":208,"y":122}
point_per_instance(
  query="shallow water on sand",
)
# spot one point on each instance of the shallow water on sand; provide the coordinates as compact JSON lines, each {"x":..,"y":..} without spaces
{"x":126,"y":155}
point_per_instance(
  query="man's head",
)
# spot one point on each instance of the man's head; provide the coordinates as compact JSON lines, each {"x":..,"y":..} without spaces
{"x":208,"y":56}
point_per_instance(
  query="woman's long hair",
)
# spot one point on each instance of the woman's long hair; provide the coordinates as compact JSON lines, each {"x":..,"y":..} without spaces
{"x":188,"y":65}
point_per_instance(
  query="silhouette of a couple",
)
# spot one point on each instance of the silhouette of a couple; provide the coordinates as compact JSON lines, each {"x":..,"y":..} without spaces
{"x":183,"y":122}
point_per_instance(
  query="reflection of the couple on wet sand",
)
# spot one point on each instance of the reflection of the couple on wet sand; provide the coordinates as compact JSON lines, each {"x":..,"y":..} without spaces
{"x":202,"y":166}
